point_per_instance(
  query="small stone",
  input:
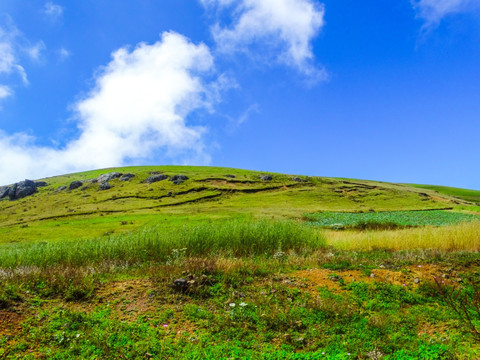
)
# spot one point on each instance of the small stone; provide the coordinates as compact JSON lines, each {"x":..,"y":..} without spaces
{"x":372,"y":275}
{"x":75,"y":185}
{"x":104,"y":186}
{"x":156,"y":178}
{"x":126,"y":177}
{"x":178,"y":179}
{"x":416,"y":280}
{"x":180,"y":284}
{"x":266,"y":177}
{"x":230,"y":176}
{"x":61,"y":188}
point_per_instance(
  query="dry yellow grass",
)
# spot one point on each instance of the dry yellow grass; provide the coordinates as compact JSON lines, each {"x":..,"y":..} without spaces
{"x":464,"y":236}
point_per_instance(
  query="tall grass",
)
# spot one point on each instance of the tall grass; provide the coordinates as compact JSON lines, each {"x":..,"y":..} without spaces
{"x":463,"y":236}
{"x":235,"y":238}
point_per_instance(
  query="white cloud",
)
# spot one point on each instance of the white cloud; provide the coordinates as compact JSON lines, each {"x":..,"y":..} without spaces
{"x":63,"y":54}
{"x":433,"y":11}
{"x":283,"y":27}
{"x":9,"y":63}
{"x":5,"y":91}
{"x":53,"y":11}
{"x":138,"y":108}
{"x":35,"y":51}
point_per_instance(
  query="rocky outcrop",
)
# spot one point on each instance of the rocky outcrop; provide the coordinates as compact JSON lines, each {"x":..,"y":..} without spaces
{"x":75,"y":185}
{"x":126,"y":177}
{"x":61,"y":188}
{"x":107,"y":177}
{"x":230,"y":176}
{"x":178,"y":179}
{"x":266,"y":177}
{"x":156,"y":178}
{"x":20,"y":190}
{"x":41,"y":183}
{"x":4,"y":191}
{"x":104,"y":186}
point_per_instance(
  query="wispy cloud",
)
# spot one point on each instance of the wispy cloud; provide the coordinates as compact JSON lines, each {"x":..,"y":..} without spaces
{"x":35,"y":51}
{"x":283,"y":29}
{"x":5,"y":91}
{"x":63,"y":54}
{"x":53,"y":11}
{"x":433,"y":11}
{"x":138,"y":108}
{"x":9,"y":63}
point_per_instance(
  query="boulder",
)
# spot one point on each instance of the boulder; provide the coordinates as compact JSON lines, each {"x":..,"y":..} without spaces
{"x":178,"y":179}
{"x":22,"y":189}
{"x":230,"y":176}
{"x":156,"y":178}
{"x":61,"y":188}
{"x":266,"y":177}
{"x":104,"y":186}
{"x":25,"y":188}
{"x":107,"y":177}
{"x":40,"y":183}
{"x":4,"y":190}
{"x":126,"y":177}
{"x":75,"y":185}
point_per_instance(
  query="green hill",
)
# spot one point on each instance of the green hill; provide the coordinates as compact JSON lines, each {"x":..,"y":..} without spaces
{"x":227,"y":263}
{"x":209,"y":193}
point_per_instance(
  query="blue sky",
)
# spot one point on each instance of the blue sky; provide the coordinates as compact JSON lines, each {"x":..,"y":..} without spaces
{"x":381,"y":90}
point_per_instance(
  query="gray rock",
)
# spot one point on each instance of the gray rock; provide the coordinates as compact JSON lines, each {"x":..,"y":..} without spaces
{"x":297,"y":179}
{"x":266,"y":177}
{"x":104,"y":186}
{"x":75,"y":185}
{"x":230,"y":176}
{"x":126,"y":177}
{"x":40,"y":183}
{"x":4,"y":190}
{"x":180,"y":284}
{"x":155,"y":178}
{"x":178,"y":179}
{"x":107,"y":177}
{"x":12,"y":191}
{"x":61,"y":188}
{"x":22,"y":189}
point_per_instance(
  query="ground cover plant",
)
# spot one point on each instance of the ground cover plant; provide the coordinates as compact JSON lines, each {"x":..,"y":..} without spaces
{"x":387,"y":219}
{"x":224,"y":266}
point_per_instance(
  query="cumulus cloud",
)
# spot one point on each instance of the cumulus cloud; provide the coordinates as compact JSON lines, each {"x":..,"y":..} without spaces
{"x":285,"y":28}
{"x":139,"y":107}
{"x":433,"y":11}
{"x":53,"y":11}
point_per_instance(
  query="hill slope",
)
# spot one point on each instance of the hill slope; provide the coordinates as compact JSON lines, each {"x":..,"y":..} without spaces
{"x":209,"y":192}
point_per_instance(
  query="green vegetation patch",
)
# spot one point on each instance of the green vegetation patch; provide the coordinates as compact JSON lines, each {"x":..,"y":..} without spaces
{"x":240,"y":237}
{"x":387,"y":219}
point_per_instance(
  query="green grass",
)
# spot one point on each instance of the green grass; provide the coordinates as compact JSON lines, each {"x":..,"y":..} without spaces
{"x":52,"y":215}
{"x":464,"y":194}
{"x":235,"y":237}
{"x":388,"y":219}
{"x":90,"y":274}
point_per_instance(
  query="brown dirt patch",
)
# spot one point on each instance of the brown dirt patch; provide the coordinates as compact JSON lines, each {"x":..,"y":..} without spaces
{"x":10,"y":323}
{"x":410,"y":277}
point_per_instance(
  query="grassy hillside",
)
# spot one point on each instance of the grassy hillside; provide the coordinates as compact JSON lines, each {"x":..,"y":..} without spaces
{"x":230,"y":265}
{"x":207,"y":194}
{"x":464,"y":194}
